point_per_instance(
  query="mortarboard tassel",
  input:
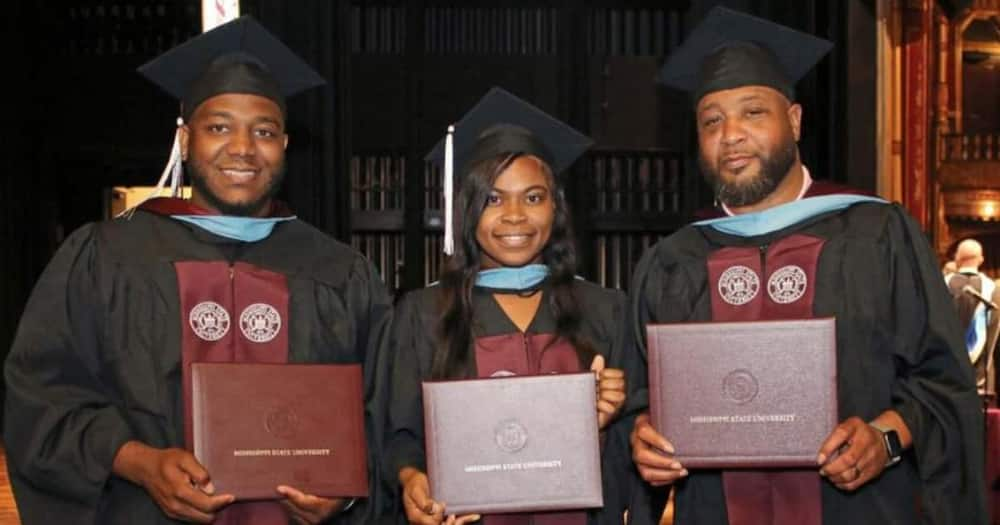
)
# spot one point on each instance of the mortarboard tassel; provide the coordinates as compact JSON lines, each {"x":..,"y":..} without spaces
{"x":449,"y":191}
{"x":173,"y":170}
{"x":176,"y":167}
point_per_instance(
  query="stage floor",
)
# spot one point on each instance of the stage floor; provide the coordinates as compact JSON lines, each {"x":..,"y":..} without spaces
{"x":8,"y":510}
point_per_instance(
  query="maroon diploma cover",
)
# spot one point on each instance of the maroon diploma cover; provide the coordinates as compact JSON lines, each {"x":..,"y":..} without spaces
{"x":513,"y":444}
{"x":744,"y":394}
{"x":257,"y":426}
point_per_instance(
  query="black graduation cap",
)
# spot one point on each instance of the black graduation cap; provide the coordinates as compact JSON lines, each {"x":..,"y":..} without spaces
{"x":730,"y":49}
{"x":237,"y":57}
{"x":503,"y":123}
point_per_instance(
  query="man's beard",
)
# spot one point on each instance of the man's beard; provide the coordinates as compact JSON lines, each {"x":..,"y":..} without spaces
{"x":773,"y":169}
{"x":239,"y":209}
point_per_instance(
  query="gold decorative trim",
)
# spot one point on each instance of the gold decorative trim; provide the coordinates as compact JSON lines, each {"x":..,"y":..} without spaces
{"x":978,"y":175}
{"x":980,"y":205}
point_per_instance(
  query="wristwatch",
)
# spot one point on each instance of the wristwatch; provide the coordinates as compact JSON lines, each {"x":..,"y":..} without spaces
{"x":893,"y":447}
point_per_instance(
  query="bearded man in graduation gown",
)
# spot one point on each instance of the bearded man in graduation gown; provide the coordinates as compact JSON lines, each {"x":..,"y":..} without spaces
{"x":98,"y":387}
{"x":909,"y":447}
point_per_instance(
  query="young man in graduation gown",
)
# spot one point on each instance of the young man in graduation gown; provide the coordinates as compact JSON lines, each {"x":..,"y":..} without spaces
{"x":97,"y":411}
{"x":909,"y":447}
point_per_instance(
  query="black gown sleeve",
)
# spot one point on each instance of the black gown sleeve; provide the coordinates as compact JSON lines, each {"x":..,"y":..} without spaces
{"x":410,"y":362}
{"x":645,"y":501}
{"x":62,"y":425}
{"x":645,"y":282}
{"x":665,"y":289}
{"x":371,"y":307}
{"x":934,"y":390}
{"x":617,"y":472}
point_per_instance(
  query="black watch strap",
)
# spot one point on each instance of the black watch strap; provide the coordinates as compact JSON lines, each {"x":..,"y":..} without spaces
{"x":893,"y":446}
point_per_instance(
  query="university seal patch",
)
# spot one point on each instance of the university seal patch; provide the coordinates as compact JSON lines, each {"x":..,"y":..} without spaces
{"x":260,"y":322}
{"x":787,"y":284}
{"x":209,"y":320}
{"x":738,"y":285}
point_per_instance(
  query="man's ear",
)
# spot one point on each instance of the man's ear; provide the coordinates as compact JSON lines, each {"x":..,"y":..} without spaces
{"x":286,"y":142}
{"x":795,"y":119}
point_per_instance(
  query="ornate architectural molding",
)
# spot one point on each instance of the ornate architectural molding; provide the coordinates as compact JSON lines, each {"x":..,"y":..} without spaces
{"x":971,"y":190}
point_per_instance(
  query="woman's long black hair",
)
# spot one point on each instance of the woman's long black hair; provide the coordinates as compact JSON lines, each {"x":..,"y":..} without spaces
{"x":453,"y":356}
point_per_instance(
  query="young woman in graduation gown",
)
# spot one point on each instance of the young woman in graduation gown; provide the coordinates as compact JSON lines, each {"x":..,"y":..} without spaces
{"x":508,"y":303}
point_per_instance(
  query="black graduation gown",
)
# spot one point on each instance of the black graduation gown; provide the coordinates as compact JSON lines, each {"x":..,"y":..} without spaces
{"x":96,"y":358}
{"x":414,"y":338}
{"x":898,"y":346}
{"x":967,"y":307}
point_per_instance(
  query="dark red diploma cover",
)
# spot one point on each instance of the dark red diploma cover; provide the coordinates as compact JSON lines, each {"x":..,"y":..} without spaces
{"x":257,"y":426}
{"x":513,"y":444}
{"x":744,"y":394}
